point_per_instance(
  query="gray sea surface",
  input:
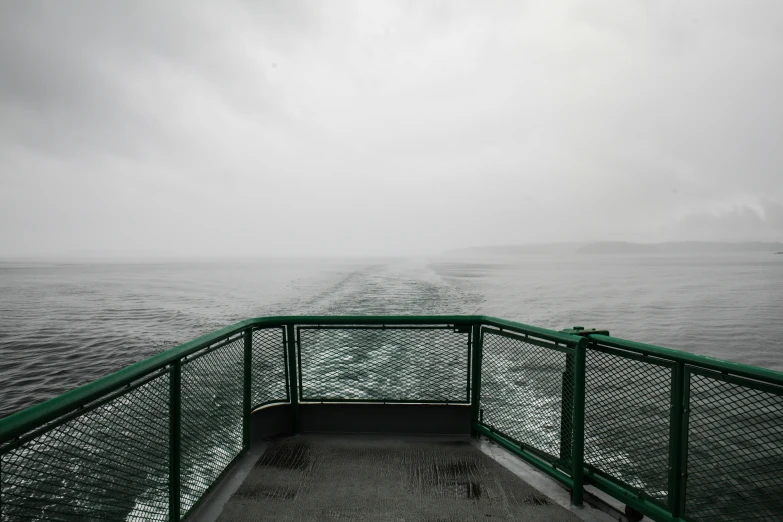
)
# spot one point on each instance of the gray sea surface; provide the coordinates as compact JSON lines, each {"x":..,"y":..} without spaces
{"x":66,"y":323}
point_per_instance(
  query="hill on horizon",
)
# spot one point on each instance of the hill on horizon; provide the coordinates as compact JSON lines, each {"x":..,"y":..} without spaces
{"x":623,"y":247}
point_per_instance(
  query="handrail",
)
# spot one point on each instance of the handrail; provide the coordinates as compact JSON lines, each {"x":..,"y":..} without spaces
{"x":704,"y":361}
{"x":543,"y":333}
{"x":27,"y":419}
{"x":24,"y":420}
{"x":17,"y":423}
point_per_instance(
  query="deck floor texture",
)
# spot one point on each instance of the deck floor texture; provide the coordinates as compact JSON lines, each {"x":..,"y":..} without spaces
{"x":308,"y":478}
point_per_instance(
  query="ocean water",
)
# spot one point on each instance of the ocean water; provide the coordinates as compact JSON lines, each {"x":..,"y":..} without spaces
{"x":63,"y":324}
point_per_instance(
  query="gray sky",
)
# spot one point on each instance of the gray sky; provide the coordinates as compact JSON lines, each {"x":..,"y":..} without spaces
{"x":287,"y":128}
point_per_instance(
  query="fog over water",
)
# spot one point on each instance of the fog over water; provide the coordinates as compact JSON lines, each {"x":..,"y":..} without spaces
{"x":283,"y":128}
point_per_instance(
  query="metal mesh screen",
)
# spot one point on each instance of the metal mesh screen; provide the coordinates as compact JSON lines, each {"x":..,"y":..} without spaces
{"x":269,"y":370}
{"x":522,"y":387}
{"x":735,"y":451}
{"x":384,"y":364}
{"x":108,"y":463}
{"x":212,"y":384}
{"x":627,"y":416}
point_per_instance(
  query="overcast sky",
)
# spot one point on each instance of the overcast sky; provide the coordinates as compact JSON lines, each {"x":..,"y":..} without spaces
{"x":288,"y":128}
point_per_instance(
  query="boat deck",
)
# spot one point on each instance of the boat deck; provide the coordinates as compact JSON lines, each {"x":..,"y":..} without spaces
{"x":385,"y":478}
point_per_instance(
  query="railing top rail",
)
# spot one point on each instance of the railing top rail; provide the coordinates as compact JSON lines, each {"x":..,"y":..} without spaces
{"x":702,"y":361}
{"x":29,"y":418}
{"x":366,"y":320}
{"x":543,"y":333}
{"x":22,"y":421}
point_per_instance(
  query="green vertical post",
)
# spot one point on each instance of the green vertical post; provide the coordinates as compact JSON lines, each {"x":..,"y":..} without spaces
{"x":683,"y":471}
{"x":477,"y":341}
{"x":675,"y":439}
{"x":567,"y":410}
{"x":293,"y":377}
{"x":175,"y":438}
{"x":248,"y":383}
{"x":578,"y":437}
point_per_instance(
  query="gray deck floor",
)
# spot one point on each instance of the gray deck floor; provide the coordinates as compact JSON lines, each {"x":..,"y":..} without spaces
{"x":362,"y":478}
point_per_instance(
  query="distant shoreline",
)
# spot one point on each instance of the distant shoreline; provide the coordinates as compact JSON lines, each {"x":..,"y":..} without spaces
{"x":625,"y":247}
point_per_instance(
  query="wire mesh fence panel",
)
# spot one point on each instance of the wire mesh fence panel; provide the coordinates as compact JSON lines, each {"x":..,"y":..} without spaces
{"x":108,"y":461}
{"x":268,"y":368}
{"x":735,"y":450}
{"x":410,"y":364}
{"x":522,"y":390}
{"x":212,"y":408}
{"x":627,"y":420}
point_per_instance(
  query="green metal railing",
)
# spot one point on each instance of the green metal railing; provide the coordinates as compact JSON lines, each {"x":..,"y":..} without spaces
{"x":683,"y":436}
{"x":673,"y":435}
